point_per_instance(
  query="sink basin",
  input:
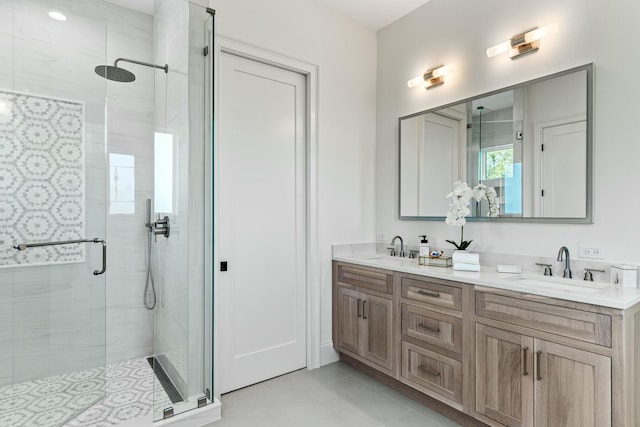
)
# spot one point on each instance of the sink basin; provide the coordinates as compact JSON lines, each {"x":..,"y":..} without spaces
{"x":388,"y":259}
{"x":558,"y":284}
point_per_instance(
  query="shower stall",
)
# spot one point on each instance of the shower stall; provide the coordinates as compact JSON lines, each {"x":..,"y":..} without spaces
{"x":105,"y":178}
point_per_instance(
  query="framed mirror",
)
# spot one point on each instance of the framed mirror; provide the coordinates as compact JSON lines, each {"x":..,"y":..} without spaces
{"x":532,"y":142}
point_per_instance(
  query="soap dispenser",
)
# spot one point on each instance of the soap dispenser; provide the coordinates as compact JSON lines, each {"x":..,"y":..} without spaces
{"x":424,"y":245}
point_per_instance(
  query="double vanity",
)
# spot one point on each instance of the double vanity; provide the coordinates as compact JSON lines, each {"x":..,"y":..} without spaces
{"x":492,"y":348}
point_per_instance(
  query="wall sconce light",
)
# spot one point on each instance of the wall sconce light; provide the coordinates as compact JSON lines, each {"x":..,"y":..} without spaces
{"x":524,"y":43}
{"x":431,"y":78}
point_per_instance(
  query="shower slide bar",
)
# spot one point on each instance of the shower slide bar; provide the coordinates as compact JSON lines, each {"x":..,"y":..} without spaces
{"x":25,"y":246}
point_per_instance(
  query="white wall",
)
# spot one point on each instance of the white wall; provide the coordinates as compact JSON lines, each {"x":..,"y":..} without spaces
{"x":458,"y":31}
{"x":345,"y":53}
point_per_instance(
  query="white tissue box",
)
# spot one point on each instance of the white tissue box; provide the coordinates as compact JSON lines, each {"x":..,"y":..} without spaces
{"x":625,"y":276}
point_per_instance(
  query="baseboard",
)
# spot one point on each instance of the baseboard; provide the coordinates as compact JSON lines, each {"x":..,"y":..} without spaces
{"x":328,"y":354}
{"x":195,"y":418}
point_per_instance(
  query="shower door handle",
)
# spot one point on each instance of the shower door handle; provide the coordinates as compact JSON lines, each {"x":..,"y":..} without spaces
{"x":25,"y":246}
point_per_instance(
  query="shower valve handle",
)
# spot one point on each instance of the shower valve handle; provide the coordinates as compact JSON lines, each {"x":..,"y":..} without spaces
{"x":162,"y":227}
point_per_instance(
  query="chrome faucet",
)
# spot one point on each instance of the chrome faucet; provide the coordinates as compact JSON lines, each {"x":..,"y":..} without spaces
{"x":393,"y":242}
{"x":567,"y":261}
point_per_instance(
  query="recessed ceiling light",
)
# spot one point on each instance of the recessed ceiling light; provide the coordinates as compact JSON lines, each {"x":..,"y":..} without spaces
{"x":58,"y":16}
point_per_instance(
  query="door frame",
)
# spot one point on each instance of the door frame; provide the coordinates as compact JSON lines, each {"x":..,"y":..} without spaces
{"x":310,"y":71}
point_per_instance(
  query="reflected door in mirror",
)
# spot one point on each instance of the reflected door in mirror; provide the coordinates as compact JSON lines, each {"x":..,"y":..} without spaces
{"x":429,"y":164}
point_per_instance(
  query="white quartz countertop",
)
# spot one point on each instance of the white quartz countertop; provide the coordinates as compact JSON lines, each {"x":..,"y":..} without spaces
{"x":602,"y":294}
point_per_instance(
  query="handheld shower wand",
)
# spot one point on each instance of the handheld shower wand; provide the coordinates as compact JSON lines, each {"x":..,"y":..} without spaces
{"x":149,"y":282}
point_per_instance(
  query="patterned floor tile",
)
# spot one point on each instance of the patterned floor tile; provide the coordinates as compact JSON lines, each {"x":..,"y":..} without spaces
{"x":132,"y":392}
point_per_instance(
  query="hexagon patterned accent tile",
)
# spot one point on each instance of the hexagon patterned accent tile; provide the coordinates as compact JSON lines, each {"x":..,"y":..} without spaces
{"x":80,"y":399}
{"x":42,"y":175}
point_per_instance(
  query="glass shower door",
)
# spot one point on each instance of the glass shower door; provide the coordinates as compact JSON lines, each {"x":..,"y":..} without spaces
{"x":52,"y":212}
{"x":182,"y":141}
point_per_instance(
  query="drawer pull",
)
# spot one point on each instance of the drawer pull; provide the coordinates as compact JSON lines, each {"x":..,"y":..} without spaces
{"x":539,"y":365}
{"x":429,"y":294}
{"x":428,"y":328}
{"x":525,"y":352}
{"x":364,"y":310}
{"x":429,"y":371}
{"x":359,"y":301}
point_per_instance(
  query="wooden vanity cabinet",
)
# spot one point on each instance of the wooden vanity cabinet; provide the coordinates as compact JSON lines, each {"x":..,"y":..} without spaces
{"x":504,"y":376}
{"x":498,"y":357}
{"x":431,"y":337}
{"x":527,"y":371}
{"x":524,"y":381}
{"x":363,"y":318}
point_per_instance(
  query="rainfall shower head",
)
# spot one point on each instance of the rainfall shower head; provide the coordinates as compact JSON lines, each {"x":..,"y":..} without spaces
{"x":116,"y":74}
{"x":119,"y":74}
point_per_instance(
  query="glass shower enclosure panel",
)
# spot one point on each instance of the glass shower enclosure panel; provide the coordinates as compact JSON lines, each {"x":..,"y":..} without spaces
{"x":181,"y":36}
{"x":52,"y":212}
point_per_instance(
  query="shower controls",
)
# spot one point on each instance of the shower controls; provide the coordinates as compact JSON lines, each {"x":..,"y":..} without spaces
{"x":162,"y":227}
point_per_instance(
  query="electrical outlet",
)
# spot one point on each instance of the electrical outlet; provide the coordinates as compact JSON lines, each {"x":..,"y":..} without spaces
{"x":381,"y":237}
{"x":591,"y":251}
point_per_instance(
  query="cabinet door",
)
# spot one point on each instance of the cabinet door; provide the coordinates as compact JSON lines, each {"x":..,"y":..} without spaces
{"x":377,"y":315}
{"x":504,"y":376}
{"x":349,"y":315}
{"x":572,"y":387}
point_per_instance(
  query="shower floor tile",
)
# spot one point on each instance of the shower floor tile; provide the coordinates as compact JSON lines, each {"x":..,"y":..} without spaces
{"x":131,"y":390}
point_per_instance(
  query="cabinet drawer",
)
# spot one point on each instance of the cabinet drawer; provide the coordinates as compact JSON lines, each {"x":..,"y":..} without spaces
{"x":431,"y":327}
{"x":572,"y":323}
{"x":425,"y":369}
{"x":431,"y":292}
{"x":355,"y":275}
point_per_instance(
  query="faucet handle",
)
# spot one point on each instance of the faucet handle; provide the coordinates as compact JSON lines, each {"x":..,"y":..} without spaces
{"x":393,"y":251}
{"x":413,"y":253}
{"x":588,"y":275}
{"x":547,"y":269}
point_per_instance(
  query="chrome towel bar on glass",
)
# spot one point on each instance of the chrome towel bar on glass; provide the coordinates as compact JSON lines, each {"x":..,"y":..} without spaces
{"x":25,"y":246}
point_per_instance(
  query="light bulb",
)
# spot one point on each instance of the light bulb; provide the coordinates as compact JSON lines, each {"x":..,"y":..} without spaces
{"x":498,"y":49}
{"x":416,"y":81}
{"x":539,"y":33}
{"x":443,"y":71}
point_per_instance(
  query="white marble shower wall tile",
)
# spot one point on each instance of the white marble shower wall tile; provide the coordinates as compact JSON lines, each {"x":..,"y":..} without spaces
{"x":57,"y":319}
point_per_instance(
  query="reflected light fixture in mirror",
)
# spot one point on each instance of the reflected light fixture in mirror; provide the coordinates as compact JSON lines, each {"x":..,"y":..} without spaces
{"x":431,"y":78}
{"x":524,"y":43}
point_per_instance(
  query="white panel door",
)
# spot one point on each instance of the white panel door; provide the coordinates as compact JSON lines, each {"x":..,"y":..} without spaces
{"x":563,"y":171}
{"x":262,"y":221}
{"x":438,"y":168}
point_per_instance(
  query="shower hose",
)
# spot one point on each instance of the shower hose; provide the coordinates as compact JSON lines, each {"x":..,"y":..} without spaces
{"x":149,"y":303}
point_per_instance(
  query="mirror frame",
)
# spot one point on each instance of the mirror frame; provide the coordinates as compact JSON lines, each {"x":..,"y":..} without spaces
{"x":588,"y":219}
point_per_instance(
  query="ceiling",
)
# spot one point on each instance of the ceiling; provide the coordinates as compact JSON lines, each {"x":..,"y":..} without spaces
{"x":374,"y":14}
